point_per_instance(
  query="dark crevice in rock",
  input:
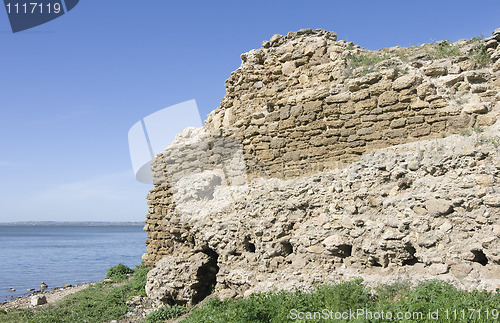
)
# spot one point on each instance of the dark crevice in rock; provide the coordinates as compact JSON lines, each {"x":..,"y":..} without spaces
{"x":411,"y":260}
{"x":287,"y":248}
{"x":206,"y":276}
{"x":343,"y":251}
{"x":480,"y":257}
{"x":249,"y":246}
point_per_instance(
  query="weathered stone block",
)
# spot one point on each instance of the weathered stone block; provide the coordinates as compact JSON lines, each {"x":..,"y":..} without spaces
{"x":314,"y":106}
{"x":396,"y":133}
{"x":405,"y":82}
{"x":398,"y":123}
{"x":365,"y":131}
{"x":338,"y":98}
{"x":366,"y":104}
{"x":347,"y":108}
{"x":388,"y":98}
{"x":437,"y":207}
{"x":415,"y":120}
{"x":435,"y":70}
{"x":288,"y":67}
{"x":380,"y":88}
{"x":38,"y":300}
{"x":360,"y":95}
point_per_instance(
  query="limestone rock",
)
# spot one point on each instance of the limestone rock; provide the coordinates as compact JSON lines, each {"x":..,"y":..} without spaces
{"x":38,"y":300}
{"x":404,"y":82}
{"x":492,"y":200}
{"x":435,"y":70}
{"x":184,"y":280}
{"x":461,"y":270}
{"x":312,"y":169}
{"x":338,"y":246}
{"x":288,"y":68}
{"x":437,"y":207}
{"x":438,"y":269}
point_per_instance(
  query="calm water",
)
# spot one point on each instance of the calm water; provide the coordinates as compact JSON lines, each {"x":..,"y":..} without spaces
{"x":61,"y":255}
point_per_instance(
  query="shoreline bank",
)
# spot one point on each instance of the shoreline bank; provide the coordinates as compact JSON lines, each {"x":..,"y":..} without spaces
{"x":52,"y":296}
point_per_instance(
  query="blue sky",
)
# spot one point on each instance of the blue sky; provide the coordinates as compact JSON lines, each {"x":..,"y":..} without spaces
{"x":71,"y":89}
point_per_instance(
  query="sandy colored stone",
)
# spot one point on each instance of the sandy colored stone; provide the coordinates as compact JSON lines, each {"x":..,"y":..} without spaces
{"x":438,"y":207}
{"x":346,"y":173}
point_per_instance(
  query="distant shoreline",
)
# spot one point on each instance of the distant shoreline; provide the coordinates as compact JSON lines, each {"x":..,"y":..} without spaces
{"x":73,"y":223}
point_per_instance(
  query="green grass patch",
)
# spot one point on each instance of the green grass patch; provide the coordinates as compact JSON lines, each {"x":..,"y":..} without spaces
{"x":465,"y":133}
{"x":396,"y":298}
{"x":369,"y":59}
{"x":476,"y":39}
{"x":166,"y":313}
{"x":478,"y":129}
{"x":495,"y":141}
{"x":119,"y":272}
{"x":480,"y":56}
{"x":98,"y":303}
{"x":444,"y":49}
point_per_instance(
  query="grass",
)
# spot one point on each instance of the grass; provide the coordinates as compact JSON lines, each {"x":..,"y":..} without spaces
{"x":444,"y":49}
{"x":119,"y":272}
{"x":103,"y":303}
{"x":480,"y":56}
{"x":166,"y":313}
{"x":396,"y":298}
{"x":465,"y":133}
{"x":476,"y":39}
{"x":367,"y":61}
{"x":495,"y":141}
{"x":98,"y":303}
{"x":357,"y":60}
{"x":478,"y":129}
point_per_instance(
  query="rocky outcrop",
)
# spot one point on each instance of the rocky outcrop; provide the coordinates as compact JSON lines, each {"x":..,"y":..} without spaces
{"x":327,"y":161}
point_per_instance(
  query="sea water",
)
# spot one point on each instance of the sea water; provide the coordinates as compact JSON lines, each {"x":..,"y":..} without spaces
{"x":64,"y":254}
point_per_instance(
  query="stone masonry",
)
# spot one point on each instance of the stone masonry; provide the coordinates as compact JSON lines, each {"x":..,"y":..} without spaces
{"x":326,"y":160}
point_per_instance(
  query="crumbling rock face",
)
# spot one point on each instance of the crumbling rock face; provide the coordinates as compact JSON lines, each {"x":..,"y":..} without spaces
{"x":305,"y":102}
{"x":186,"y":279}
{"x":346,"y":173}
{"x":420,"y":210}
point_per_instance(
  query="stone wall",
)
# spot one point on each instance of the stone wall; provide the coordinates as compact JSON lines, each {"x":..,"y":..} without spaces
{"x":428,"y":209}
{"x":308,"y":104}
{"x":299,"y":105}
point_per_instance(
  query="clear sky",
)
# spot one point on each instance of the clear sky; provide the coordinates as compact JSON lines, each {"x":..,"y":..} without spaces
{"x":71,"y":89}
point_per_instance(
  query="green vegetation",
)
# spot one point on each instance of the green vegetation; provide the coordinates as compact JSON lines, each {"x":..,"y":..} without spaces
{"x":369,"y":59}
{"x":138,"y":281}
{"x":465,"y":133}
{"x":101,"y":302}
{"x":405,"y":53}
{"x":444,"y":49}
{"x":495,"y":141}
{"x":350,"y":46}
{"x":396,"y":298}
{"x":480,"y":56}
{"x":476,"y":39}
{"x":166,"y":313}
{"x":119,"y":272}
{"x":478,"y":129}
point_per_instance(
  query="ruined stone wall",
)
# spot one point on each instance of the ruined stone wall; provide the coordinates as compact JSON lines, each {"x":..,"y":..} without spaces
{"x":306,"y":103}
